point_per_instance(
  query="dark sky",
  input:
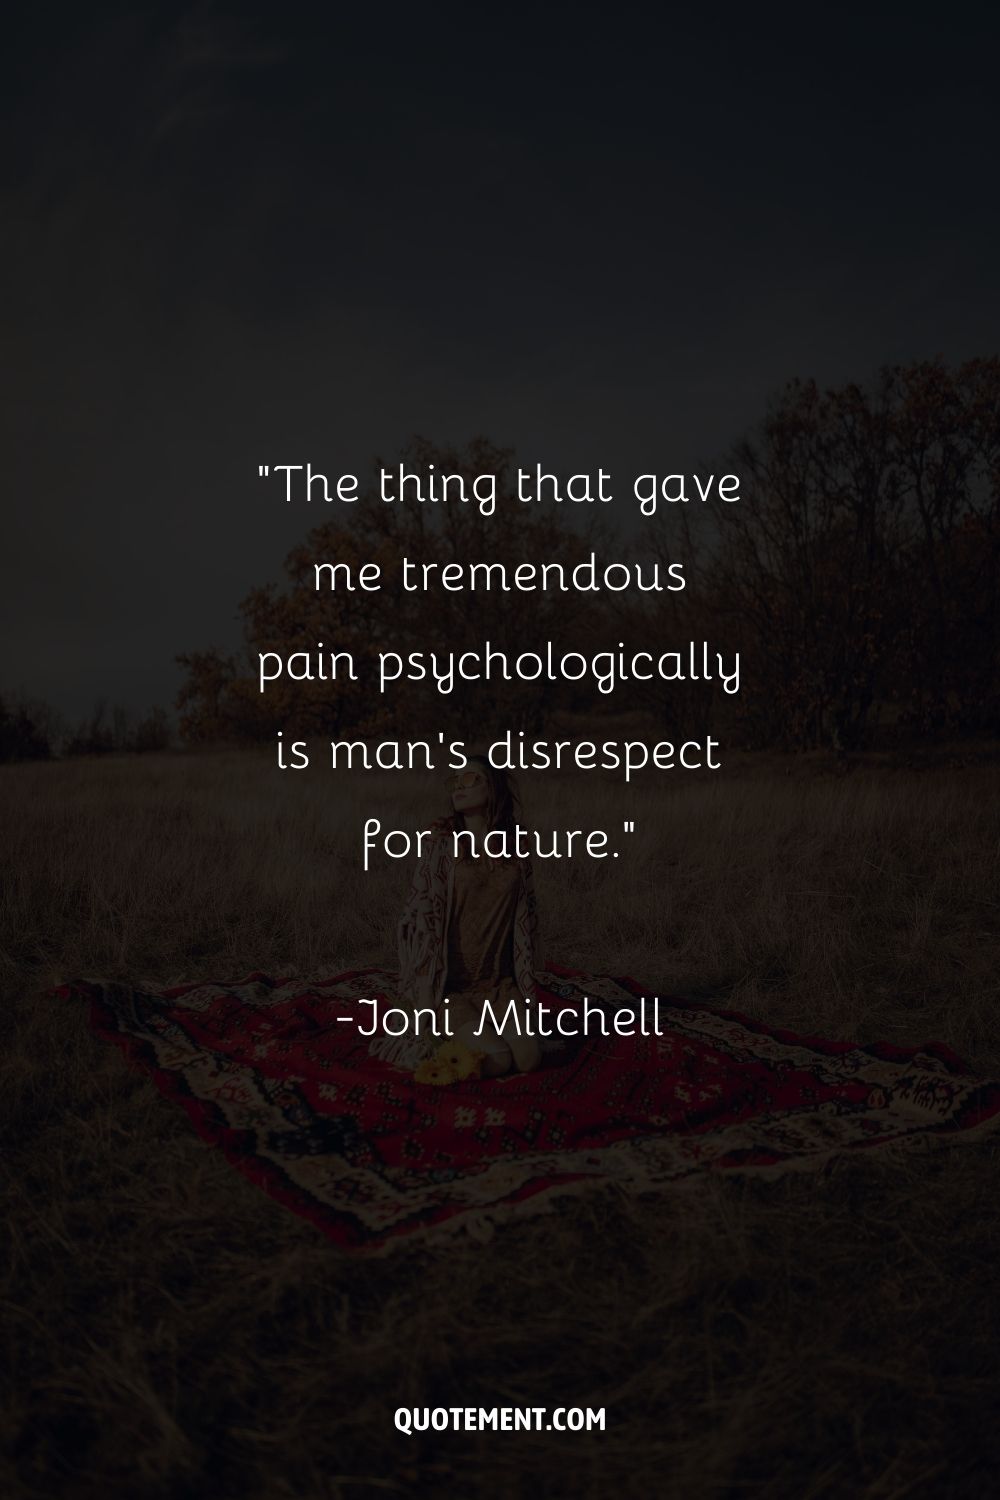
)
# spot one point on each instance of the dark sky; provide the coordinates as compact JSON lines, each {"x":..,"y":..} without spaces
{"x":277,"y":233}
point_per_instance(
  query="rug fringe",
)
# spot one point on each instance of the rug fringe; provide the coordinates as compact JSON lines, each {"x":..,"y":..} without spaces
{"x":480,"y":1225}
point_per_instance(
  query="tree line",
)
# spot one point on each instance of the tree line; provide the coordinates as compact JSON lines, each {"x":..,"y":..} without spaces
{"x":858,"y":576}
{"x":31,"y":730}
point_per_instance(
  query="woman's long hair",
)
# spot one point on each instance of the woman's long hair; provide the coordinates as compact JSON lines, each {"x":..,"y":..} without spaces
{"x":503,"y":801}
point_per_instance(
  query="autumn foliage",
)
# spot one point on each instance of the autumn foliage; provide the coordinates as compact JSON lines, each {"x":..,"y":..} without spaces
{"x":861,"y":573}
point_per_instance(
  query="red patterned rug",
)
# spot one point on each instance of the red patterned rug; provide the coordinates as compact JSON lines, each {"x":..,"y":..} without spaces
{"x":266,"y":1071}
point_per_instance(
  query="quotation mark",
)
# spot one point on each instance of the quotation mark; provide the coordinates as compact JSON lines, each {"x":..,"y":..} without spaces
{"x":263,"y":470}
{"x":629,"y":827}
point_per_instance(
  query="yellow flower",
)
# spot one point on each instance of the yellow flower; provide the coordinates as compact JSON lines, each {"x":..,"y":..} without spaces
{"x":452,"y":1062}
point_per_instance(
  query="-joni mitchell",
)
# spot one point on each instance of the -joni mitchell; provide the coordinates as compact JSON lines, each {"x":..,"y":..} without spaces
{"x":525,"y":1020}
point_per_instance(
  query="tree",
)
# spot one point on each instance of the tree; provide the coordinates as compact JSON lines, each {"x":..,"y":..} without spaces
{"x":24,"y":731}
{"x":860,"y":566}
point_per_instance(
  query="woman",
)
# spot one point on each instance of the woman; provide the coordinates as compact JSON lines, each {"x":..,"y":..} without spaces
{"x":468,"y":934}
{"x":268,"y":1070}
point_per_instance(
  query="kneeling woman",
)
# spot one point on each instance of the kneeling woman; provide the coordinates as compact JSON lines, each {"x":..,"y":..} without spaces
{"x":468,"y":935}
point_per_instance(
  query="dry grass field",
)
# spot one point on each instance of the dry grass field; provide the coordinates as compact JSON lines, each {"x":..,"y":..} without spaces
{"x":171,"y":1331}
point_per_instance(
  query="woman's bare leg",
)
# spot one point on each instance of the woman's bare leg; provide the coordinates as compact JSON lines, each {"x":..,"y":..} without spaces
{"x":498,"y":1057}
